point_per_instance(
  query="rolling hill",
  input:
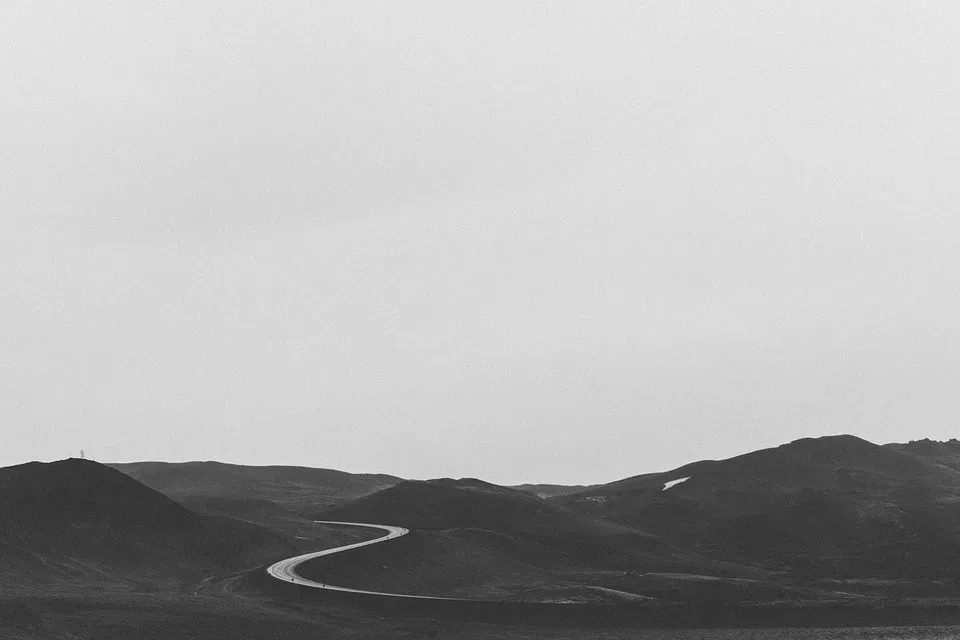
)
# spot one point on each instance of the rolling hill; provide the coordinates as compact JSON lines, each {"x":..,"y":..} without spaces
{"x":476,"y":539}
{"x":77,"y":521}
{"x":281,"y":497}
{"x":831,"y":507}
{"x":825,"y":520}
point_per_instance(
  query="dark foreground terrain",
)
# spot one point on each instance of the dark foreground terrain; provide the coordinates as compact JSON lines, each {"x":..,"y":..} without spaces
{"x":206,"y":617}
{"x":828,"y":532}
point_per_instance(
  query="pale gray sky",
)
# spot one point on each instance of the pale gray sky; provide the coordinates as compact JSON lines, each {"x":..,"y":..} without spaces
{"x":541,"y":241}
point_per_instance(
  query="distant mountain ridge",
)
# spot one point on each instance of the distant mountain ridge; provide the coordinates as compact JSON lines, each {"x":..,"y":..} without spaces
{"x":240,"y":490}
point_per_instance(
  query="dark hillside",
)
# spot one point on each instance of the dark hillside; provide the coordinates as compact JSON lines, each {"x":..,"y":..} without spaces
{"x":239,"y":490}
{"x":833,"y":506}
{"x":77,"y":520}
{"x":477,"y":539}
{"x":470,"y":503}
{"x":810,"y":463}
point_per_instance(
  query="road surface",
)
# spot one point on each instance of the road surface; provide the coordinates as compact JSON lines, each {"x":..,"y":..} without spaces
{"x":286,"y":570}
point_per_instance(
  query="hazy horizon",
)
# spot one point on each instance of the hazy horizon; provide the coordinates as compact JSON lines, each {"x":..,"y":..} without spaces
{"x":538,"y":243}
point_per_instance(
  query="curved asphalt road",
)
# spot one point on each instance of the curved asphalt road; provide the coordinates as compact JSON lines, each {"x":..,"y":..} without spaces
{"x":286,"y":570}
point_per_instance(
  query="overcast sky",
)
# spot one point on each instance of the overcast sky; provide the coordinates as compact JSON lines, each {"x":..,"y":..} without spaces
{"x":538,"y":241}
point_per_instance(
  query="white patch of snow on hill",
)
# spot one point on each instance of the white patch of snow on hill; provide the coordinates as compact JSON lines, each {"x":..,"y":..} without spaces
{"x":673,"y":483}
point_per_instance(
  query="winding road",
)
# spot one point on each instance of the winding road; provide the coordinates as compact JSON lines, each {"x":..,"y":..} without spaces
{"x":286,"y":570}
